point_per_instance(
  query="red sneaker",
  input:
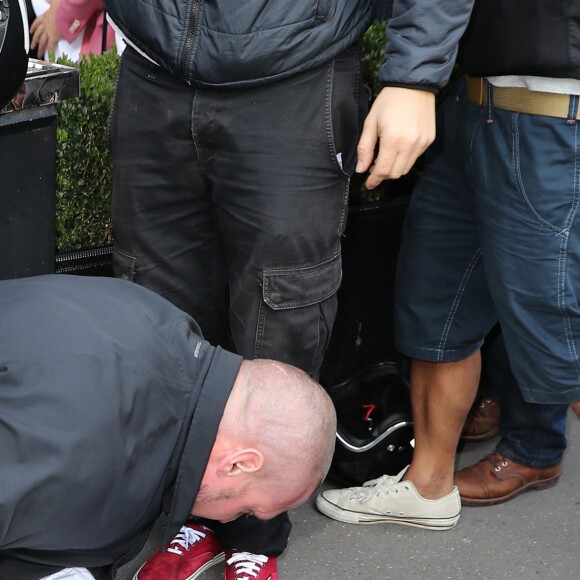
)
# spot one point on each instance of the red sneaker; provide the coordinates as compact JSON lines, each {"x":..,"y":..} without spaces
{"x":190,"y":554}
{"x":246,"y":566}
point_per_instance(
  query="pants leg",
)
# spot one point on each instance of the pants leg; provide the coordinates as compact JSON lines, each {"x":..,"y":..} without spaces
{"x":165,"y":225}
{"x":525,"y":175}
{"x":494,"y":365}
{"x":443,"y":307}
{"x":531,"y":434}
{"x":251,"y":535}
{"x":279,"y":159}
{"x":445,"y":281}
{"x":282,"y":208}
{"x":246,"y":188}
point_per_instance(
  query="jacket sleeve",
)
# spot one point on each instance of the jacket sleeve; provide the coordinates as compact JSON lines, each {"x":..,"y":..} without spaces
{"x":72,"y":16}
{"x":423,"y":39}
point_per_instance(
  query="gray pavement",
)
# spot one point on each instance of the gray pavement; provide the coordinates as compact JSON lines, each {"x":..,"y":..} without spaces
{"x":534,"y":536}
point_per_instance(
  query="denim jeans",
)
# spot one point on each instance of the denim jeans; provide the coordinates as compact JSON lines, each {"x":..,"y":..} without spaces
{"x":232,"y":203}
{"x":531,"y":434}
{"x":493,"y":234}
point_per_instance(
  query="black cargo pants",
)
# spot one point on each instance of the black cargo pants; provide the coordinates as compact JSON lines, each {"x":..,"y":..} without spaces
{"x":231,"y":204}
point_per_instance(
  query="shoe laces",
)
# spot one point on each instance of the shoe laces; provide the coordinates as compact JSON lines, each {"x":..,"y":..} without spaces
{"x":384,"y":485}
{"x":186,"y":537}
{"x":484,"y":403}
{"x":247,"y":565}
{"x":497,"y":460}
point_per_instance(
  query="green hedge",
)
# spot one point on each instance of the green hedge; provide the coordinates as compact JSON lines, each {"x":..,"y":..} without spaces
{"x":374,"y":42}
{"x":83,"y":190}
{"x":83,"y":160}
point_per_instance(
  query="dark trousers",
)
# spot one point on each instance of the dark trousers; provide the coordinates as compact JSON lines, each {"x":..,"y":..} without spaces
{"x":532,"y":434}
{"x":231,"y":204}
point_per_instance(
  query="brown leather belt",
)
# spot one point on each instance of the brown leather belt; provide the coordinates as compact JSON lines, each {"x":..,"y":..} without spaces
{"x":519,"y":100}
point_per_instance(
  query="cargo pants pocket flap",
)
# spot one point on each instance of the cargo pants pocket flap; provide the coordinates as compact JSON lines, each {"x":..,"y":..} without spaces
{"x":294,"y":287}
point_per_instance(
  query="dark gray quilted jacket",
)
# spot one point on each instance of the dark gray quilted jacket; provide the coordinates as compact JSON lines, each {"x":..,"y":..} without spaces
{"x":234,"y":43}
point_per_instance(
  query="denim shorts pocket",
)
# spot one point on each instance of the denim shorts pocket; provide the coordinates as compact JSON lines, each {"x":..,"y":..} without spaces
{"x":285,"y":288}
{"x":545,"y":151}
{"x":124,"y":265}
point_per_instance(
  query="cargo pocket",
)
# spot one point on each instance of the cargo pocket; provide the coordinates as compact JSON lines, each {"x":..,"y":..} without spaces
{"x":297,"y":313}
{"x":124,"y":265}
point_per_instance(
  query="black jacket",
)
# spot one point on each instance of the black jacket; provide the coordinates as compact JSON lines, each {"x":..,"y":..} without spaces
{"x":523,"y":37}
{"x":108,"y":397}
{"x":234,"y":44}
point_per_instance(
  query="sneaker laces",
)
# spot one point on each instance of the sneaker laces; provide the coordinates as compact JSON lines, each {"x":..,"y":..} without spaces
{"x":247,"y":565}
{"x":384,"y":485}
{"x":185,"y":538}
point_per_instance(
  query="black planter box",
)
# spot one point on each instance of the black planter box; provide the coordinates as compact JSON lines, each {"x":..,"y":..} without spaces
{"x":28,"y":170}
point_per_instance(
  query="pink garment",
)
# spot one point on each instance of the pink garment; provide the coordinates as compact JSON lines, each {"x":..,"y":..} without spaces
{"x":73,"y":16}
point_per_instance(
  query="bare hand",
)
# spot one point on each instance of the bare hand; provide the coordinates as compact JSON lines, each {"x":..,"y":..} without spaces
{"x":43,"y":31}
{"x":402,"y":122}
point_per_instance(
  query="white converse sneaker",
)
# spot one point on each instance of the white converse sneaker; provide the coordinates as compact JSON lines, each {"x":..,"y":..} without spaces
{"x":388,"y":500}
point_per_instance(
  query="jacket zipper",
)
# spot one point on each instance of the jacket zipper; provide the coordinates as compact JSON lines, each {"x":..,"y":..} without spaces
{"x":188,"y":46}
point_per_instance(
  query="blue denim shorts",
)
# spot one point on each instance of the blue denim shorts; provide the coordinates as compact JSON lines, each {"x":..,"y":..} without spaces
{"x":492,"y":234}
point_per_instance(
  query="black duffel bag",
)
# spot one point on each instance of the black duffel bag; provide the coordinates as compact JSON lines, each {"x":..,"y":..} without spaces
{"x":375,"y":429}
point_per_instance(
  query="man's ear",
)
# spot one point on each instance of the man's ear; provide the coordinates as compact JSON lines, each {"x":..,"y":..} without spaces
{"x":241,"y":461}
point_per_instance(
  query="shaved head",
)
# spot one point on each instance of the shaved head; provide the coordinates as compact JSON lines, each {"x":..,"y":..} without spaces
{"x":289,"y":415}
{"x":276,"y":437}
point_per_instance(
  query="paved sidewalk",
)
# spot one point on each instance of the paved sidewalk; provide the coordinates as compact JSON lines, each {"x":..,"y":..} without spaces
{"x":534,"y":536}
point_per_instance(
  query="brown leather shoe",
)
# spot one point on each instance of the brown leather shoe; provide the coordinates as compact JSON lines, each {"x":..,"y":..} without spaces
{"x":482,"y":422}
{"x":496,"y":479}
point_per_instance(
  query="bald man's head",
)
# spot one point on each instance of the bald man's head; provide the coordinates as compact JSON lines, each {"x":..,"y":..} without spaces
{"x":289,"y":414}
{"x":274,"y":444}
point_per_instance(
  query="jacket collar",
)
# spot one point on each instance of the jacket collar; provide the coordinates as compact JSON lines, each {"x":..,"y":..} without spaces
{"x":215,"y":391}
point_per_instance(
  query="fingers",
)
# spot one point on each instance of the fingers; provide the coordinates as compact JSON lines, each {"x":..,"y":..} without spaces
{"x":366,"y":145}
{"x":44,"y":34}
{"x":38,"y":35}
{"x":51,"y":43}
{"x":39,"y":41}
{"x":397,"y":155}
{"x":402,"y":122}
{"x":36,"y":39}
